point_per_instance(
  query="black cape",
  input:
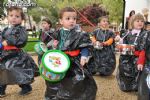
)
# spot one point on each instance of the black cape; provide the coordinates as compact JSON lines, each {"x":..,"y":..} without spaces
{"x":104,"y":60}
{"x":16,"y":66}
{"x":127,"y":73}
{"x":75,"y":85}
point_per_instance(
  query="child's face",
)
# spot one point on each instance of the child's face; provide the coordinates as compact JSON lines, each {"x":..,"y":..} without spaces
{"x":104,"y":23}
{"x":138,"y":24}
{"x":45,"y":26}
{"x":68,"y":20}
{"x":14,"y":17}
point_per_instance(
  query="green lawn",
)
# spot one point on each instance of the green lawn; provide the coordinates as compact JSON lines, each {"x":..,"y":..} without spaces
{"x":30,"y":44}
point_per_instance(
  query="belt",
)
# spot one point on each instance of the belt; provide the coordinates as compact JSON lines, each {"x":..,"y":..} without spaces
{"x":10,"y":48}
{"x":73,"y":53}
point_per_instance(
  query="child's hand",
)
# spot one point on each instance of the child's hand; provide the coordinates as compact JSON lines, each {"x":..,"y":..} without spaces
{"x":55,"y":43}
{"x":96,"y":43}
{"x":140,"y":67}
{"x":4,"y":43}
{"x":117,"y":38}
{"x":104,"y":44}
{"x":83,"y":61}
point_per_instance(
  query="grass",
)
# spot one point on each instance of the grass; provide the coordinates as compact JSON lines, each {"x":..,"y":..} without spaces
{"x":30,"y":44}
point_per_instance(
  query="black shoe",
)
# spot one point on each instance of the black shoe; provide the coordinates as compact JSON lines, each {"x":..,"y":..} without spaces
{"x":2,"y":91}
{"x":46,"y":98}
{"x":93,"y":73}
{"x":25,"y":90}
{"x":2,"y":94}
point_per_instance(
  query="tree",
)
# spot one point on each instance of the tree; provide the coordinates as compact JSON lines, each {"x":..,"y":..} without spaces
{"x":1,"y":8}
{"x":92,"y":13}
{"x":50,"y":8}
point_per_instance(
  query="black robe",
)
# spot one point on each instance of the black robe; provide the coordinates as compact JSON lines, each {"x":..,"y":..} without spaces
{"x":74,"y":86}
{"x":143,"y":90}
{"x":16,"y":66}
{"x":127,"y":73}
{"x":104,"y":60}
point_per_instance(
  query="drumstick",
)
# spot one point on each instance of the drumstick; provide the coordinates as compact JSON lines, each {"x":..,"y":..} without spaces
{"x":49,"y":35}
{"x":138,"y":75}
{"x":125,"y":36}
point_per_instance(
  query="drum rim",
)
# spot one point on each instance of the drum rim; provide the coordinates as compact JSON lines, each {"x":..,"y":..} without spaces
{"x":35,"y":48}
{"x":42,"y":48}
{"x":39,"y":47}
{"x":40,"y":70}
{"x":62,"y":54}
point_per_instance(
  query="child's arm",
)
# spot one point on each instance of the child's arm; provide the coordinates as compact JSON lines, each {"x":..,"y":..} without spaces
{"x":141,"y":60}
{"x":84,"y":56}
{"x":18,"y":38}
{"x":109,"y":41}
{"x":4,"y":43}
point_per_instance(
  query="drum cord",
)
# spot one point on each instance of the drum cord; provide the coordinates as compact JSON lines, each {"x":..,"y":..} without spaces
{"x":125,"y":36}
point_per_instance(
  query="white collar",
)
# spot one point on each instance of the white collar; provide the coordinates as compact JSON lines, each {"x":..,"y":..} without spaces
{"x":66,"y":29}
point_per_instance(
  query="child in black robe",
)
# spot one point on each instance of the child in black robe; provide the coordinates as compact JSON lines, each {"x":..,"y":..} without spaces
{"x":78,"y":84}
{"x":16,"y":66}
{"x":103,"y":57}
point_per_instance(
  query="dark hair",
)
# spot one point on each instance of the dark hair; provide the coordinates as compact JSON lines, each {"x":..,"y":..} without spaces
{"x":48,"y":21}
{"x":18,"y":10}
{"x":66,"y":9}
{"x":100,"y":18}
{"x":132,"y":11}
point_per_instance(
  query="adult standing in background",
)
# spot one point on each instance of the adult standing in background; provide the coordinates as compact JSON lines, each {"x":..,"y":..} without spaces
{"x":132,"y":12}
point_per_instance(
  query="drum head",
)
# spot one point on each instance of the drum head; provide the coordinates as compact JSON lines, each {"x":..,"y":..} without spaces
{"x":56,"y":61}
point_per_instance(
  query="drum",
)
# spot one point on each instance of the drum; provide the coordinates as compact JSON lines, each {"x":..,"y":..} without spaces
{"x":125,"y":49}
{"x":54,"y":65}
{"x":40,"y":48}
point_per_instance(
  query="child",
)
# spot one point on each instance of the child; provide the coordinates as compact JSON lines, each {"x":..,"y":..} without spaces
{"x":131,"y":65}
{"x":143,"y":89}
{"x":103,"y":60}
{"x":46,"y":35}
{"x":74,"y":43}
{"x":16,"y":66}
{"x":132,"y":12}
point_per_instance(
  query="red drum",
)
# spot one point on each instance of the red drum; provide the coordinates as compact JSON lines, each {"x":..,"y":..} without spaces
{"x":125,"y":49}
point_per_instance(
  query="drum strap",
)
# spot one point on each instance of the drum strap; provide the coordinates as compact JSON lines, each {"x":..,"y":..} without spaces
{"x":73,"y":53}
{"x":136,"y":38}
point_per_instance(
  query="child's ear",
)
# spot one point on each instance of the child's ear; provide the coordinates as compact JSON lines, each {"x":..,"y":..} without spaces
{"x":60,"y":21}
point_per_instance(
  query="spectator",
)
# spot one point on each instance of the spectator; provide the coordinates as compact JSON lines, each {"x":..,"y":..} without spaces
{"x":128,"y":19}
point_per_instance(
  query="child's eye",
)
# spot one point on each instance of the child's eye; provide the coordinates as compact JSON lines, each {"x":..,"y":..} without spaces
{"x":74,"y":18}
{"x":68,"y":18}
{"x":17,"y":16}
